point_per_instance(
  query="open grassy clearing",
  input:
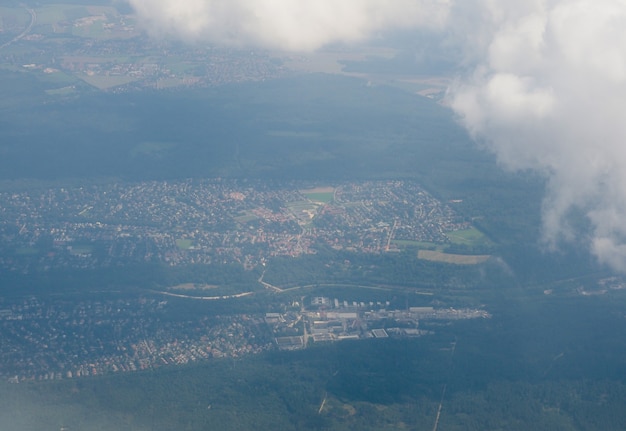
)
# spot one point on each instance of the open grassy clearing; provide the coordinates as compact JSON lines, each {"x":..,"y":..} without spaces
{"x":51,"y":15}
{"x":184,"y":244}
{"x":103,"y":82}
{"x":27,"y":251}
{"x":117,"y":59}
{"x":301,"y":206}
{"x":417,"y":244}
{"x":78,"y":249}
{"x":59,"y":78}
{"x":320,"y":197}
{"x":471,"y":237}
{"x":96,"y":30}
{"x":74,"y":12}
{"x":13,"y":20}
{"x":318,"y":190}
{"x":163,"y":83}
{"x":180,"y":66}
{"x":55,"y":76}
{"x":456,"y":259}
{"x":11,"y":68}
{"x":21,"y":48}
{"x":245,"y":217}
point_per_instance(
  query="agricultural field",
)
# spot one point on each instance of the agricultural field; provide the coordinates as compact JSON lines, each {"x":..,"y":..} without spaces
{"x":457,"y":259}
{"x":103,"y":48}
{"x":95,"y":22}
{"x":405,"y":243}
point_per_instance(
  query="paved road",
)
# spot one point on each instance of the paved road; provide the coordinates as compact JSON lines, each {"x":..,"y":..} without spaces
{"x":33,"y":20}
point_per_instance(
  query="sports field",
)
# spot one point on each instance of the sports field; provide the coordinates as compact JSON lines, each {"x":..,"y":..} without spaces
{"x":319,"y":194}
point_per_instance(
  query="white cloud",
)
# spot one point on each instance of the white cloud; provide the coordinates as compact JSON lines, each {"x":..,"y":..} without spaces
{"x":285,"y":24}
{"x":544,"y":85}
{"x":549,"y":93}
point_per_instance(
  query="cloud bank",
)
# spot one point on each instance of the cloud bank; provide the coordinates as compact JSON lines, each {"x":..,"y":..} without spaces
{"x":299,"y":25}
{"x":543,"y":82}
{"x":549,"y":94}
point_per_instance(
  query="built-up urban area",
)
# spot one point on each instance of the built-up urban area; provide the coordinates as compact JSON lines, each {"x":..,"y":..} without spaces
{"x":69,"y":45}
{"x":213,"y":222}
{"x":51,"y":339}
{"x":208,"y":221}
{"x":328,"y":319}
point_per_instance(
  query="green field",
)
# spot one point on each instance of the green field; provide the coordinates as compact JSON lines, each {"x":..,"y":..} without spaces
{"x":13,"y":20}
{"x":456,"y":259}
{"x":184,"y":244}
{"x":50,"y":16}
{"x":470,"y":237}
{"x":64,"y":91}
{"x":319,"y":194}
{"x":27,"y":251}
{"x":63,"y":83}
{"x":301,"y":206}
{"x":78,"y":249}
{"x":104,"y":82}
{"x":245,"y":219}
{"x":324,"y":197}
{"x":179,"y":66}
{"x":417,"y":244}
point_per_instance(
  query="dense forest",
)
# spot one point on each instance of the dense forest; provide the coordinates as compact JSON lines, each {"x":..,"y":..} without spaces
{"x":550,"y":358}
{"x":503,"y":373}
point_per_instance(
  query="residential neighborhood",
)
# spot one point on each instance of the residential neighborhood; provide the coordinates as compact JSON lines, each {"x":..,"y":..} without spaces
{"x":214,"y":222}
{"x":53,"y":339}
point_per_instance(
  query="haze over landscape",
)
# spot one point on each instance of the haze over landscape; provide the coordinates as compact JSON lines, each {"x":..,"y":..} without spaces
{"x":312,"y":215}
{"x":539,"y":83}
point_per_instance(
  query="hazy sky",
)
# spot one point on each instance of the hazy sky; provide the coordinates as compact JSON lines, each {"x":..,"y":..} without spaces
{"x":541,"y":83}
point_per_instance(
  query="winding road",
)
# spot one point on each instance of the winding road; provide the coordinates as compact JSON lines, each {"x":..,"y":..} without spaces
{"x":33,"y":20}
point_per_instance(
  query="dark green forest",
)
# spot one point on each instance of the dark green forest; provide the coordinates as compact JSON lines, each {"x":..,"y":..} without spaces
{"x":543,"y":361}
{"x":525,"y":368}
